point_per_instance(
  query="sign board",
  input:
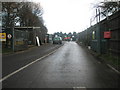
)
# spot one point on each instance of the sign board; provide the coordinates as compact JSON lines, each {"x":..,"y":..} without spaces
{"x":93,"y":35}
{"x":9,"y":36}
{"x":2,"y":36}
{"x":38,"y":40}
{"x":107,"y":34}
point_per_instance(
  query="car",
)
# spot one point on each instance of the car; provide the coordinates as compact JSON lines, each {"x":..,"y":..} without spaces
{"x":57,"y":40}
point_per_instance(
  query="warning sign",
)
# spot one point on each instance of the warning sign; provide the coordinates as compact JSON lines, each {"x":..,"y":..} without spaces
{"x":2,"y":36}
{"x":107,"y":34}
{"x":9,"y":36}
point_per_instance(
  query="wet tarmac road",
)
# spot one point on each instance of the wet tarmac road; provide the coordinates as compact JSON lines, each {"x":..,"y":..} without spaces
{"x":70,"y":66}
{"x":12,"y":62}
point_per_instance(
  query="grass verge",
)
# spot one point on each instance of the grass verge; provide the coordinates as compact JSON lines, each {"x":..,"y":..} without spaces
{"x":112,"y":60}
{"x":6,"y":50}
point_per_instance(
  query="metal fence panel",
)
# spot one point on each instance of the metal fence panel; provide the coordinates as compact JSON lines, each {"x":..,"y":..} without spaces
{"x":20,"y":40}
{"x":94,"y":35}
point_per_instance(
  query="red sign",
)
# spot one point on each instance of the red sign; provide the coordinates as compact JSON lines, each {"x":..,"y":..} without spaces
{"x":107,"y":34}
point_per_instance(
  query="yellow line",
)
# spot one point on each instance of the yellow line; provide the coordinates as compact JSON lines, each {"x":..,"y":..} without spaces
{"x":9,"y":75}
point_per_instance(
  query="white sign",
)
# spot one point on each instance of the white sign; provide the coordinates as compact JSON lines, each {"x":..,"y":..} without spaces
{"x":38,"y":41}
{"x":9,"y":36}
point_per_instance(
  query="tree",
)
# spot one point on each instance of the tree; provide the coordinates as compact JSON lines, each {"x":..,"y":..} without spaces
{"x":26,"y":13}
{"x":23,"y":13}
{"x":10,"y":12}
{"x":30,"y":14}
{"x":108,"y":7}
{"x":69,"y":34}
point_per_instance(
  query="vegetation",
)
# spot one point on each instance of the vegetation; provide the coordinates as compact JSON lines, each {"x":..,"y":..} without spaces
{"x":65,"y":36}
{"x":108,"y":7}
{"x":113,"y":60}
{"x":6,"y":50}
{"x":21,"y":14}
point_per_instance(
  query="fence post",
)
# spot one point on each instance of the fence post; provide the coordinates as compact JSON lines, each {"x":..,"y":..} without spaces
{"x":99,"y":38}
{"x":99,"y":33}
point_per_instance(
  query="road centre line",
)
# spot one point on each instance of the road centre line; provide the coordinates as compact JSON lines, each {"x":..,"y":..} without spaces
{"x":11,"y":74}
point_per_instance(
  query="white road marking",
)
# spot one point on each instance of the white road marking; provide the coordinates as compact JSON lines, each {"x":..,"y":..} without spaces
{"x":9,"y":75}
{"x":113,"y":68}
{"x":79,"y":88}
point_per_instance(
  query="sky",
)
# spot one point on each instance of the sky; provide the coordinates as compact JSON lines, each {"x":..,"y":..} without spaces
{"x":67,"y":15}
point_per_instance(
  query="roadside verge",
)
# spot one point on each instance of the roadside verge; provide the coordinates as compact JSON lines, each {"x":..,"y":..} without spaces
{"x":104,"y":59}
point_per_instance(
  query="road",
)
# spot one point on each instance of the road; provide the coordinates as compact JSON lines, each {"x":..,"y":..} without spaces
{"x":70,"y":66}
{"x":12,"y":62}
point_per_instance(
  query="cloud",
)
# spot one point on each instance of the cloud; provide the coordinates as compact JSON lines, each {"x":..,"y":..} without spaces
{"x":67,"y":15}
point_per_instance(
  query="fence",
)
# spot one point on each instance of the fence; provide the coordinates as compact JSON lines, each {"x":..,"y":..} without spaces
{"x":94,"y":35}
{"x":20,"y":40}
{"x":21,"y":37}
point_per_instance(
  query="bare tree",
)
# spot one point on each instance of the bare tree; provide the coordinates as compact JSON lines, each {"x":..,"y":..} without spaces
{"x":108,"y":7}
{"x":27,"y":15}
{"x":10,"y":12}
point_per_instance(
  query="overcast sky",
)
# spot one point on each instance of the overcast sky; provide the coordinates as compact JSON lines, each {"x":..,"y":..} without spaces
{"x":67,"y":15}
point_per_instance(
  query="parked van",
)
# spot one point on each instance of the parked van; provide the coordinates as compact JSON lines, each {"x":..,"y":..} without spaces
{"x":57,"y":40}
